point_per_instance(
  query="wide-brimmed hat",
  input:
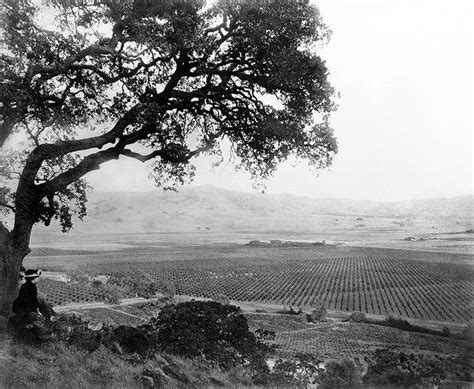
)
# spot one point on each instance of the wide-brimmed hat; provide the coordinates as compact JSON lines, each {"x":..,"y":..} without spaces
{"x":32,"y":273}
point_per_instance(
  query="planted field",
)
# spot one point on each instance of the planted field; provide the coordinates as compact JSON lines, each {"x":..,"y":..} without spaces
{"x":422,"y":285}
{"x":338,"y":340}
{"x":59,"y":293}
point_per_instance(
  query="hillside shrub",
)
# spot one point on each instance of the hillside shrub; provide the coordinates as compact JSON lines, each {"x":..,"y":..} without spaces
{"x":169,"y":289}
{"x":97,"y":283}
{"x":303,"y":318}
{"x":290,"y":311}
{"x":386,"y":367}
{"x":317,"y":314}
{"x":143,"y":286}
{"x":73,"y":330}
{"x":405,"y":325}
{"x":76,"y":331}
{"x":80,"y":277}
{"x":299,"y":371}
{"x":222,"y":299}
{"x":468,"y":332}
{"x":358,"y":317}
{"x":196,"y":329}
{"x":113,"y":294}
{"x":131,"y":339}
{"x":208,"y":329}
{"x":339,"y":374}
{"x":446,"y":331}
{"x":397,"y":322}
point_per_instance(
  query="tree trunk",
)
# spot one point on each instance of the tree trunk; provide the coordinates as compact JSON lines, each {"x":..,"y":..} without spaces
{"x":9,"y":275}
{"x":14,"y":246}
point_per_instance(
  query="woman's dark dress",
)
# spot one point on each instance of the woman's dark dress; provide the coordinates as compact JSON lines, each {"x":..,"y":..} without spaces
{"x":27,"y":300}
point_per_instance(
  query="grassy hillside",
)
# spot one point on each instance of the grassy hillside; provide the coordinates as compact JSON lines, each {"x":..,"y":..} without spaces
{"x":79,"y":357}
{"x":207,"y":206}
{"x":61,"y":365}
{"x":211,"y":213}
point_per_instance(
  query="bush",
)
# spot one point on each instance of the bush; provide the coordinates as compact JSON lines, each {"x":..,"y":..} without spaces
{"x":446,"y":331}
{"x":303,"y":317}
{"x":343,"y":374}
{"x":405,"y":325}
{"x":145,"y":286}
{"x":389,"y":368}
{"x":112,"y":294}
{"x":399,"y":323}
{"x":468,"y":332}
{"x":80,"y":278}
{"x":317,"y":314}
{"x":300,"y":371}
{"x":197,"y":329}
{"x":97,"y":283}
{"x":222,"y":299}
{"x":208,"y":329}
{"x":358,"y":317}
{"x":131,"y":339}
{"x":169,"y":289}
{"x":75,"y":331}
{"x":290,"y":311}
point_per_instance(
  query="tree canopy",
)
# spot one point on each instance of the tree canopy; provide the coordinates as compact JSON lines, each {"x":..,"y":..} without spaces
{"x":164,"y":83}
{"x":208,"y":329}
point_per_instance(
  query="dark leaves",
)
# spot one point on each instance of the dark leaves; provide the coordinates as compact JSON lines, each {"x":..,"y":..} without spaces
{"x":219,"y":333}
{"x":178,"y":79}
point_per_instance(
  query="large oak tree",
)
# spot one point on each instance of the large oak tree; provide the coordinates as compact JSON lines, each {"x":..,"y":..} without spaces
{"x":157,"y":82}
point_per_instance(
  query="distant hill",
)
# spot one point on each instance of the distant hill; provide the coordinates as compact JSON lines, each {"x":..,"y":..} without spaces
{"x":207,"y":208}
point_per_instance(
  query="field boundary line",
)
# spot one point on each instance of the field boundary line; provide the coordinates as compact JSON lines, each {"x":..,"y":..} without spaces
{"x":250,"y":307}
{"x":101,"y":304}
{"x":302,"y":330}
{"x":128,"y":314}
{"x":79,"y":306}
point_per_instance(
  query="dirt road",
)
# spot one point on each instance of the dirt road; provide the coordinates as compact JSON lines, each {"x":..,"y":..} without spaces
{"x":252,"y":307}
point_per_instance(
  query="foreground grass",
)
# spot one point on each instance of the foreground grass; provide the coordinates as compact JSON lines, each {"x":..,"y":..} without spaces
{"x":60,"y":365}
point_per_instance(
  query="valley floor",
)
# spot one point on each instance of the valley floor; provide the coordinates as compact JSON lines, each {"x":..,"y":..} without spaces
{"x":430,"y":289}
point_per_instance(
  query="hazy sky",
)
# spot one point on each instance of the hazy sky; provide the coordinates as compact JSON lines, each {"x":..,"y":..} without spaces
{"x":404,"y":125}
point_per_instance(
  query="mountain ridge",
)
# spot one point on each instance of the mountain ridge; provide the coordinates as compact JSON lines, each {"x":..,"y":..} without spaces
{"x":193,"y":208}
{"x":286,"y":194}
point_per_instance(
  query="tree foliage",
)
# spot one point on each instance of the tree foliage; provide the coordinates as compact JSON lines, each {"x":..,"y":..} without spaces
{"x":340,"y":374}
{"x":300,"y":371}
{"x":162,"y":83}
{"x":304,"y":369}
{"x":208,"y":329}
{"x":405,"y":370}
{"x":318,"y":313}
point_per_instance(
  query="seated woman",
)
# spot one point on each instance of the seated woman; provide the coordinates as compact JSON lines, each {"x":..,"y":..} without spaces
{"x":26,"y":306}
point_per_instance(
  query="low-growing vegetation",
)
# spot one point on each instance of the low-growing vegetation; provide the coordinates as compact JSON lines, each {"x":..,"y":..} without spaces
{"x":213,"y":336}
{"x":349,"y":339}
{"x":213,"y":331}
{"x":358,"y":317}
{"x":202,"y":344}
{"x":405,"y":325}
{"x":205,"y":343}
{"x":387,"y":368}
